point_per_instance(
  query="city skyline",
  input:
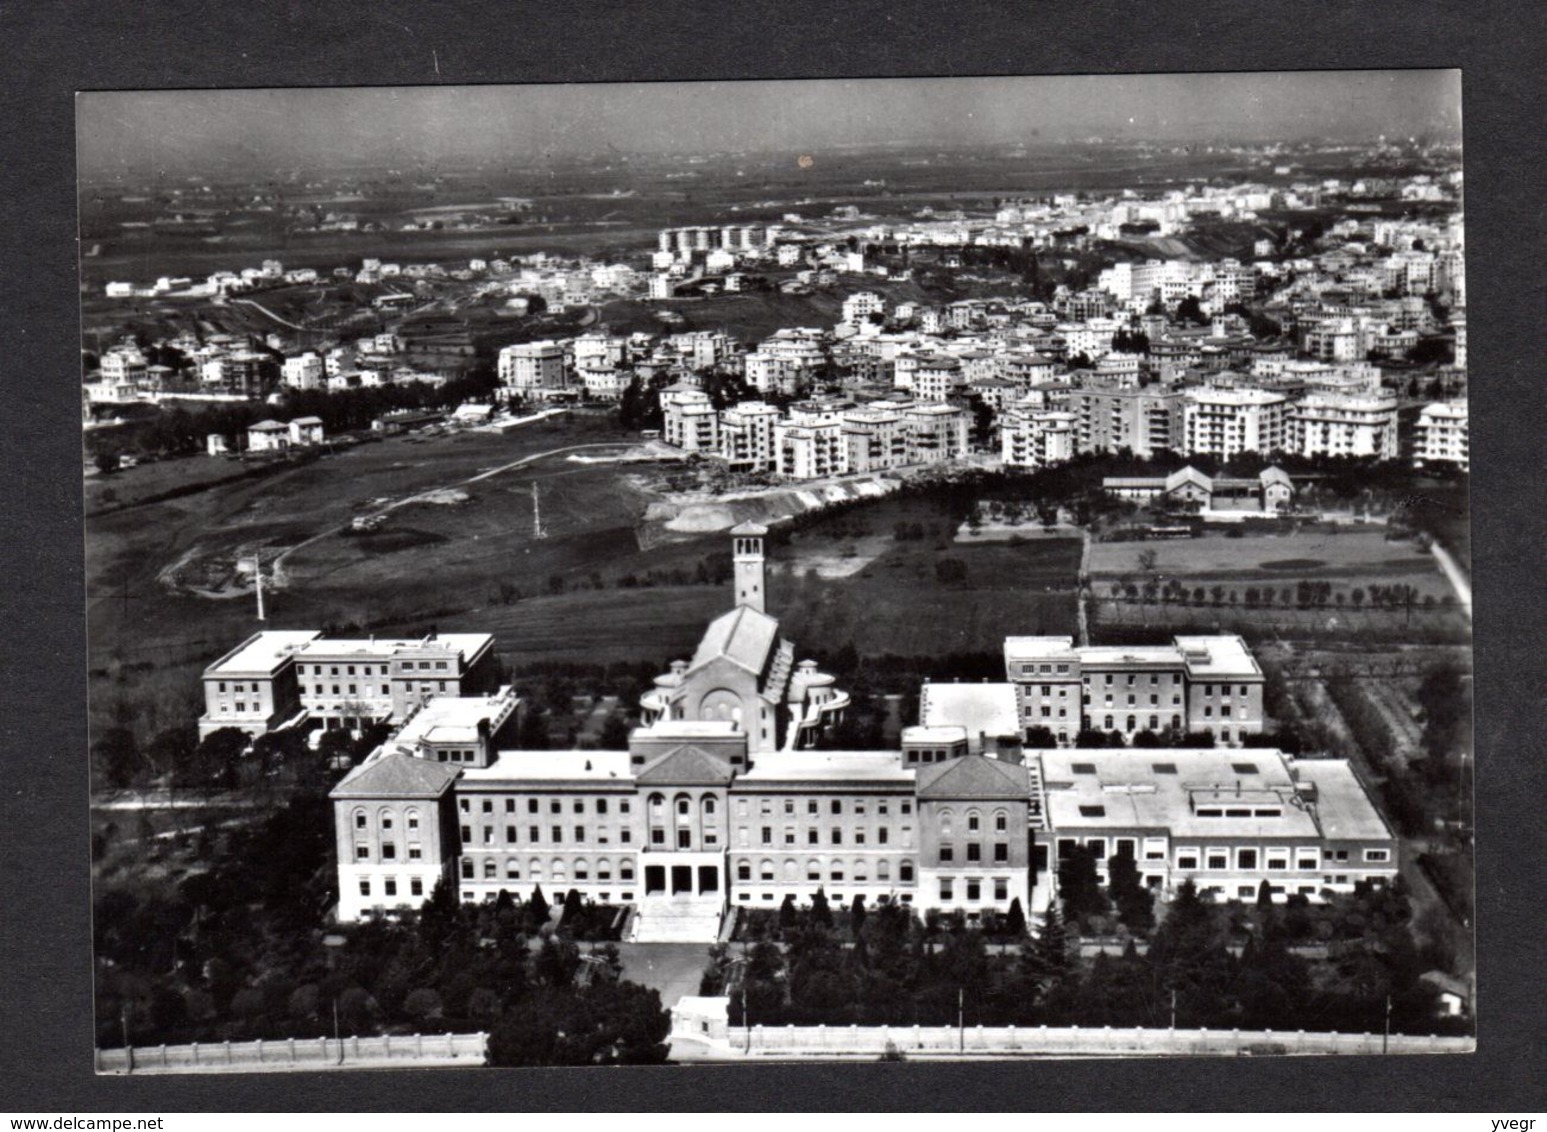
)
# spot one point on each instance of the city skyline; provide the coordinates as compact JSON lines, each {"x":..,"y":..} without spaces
{"x":180,"y":132}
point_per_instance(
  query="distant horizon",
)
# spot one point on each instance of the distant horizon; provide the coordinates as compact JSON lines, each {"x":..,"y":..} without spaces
{"x":270,"y":130}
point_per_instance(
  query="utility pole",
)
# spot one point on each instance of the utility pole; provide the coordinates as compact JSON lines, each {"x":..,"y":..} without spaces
{"x":1173,"y":1008}
{"x":257,"y":573}
{"x":1385,"y":1038}
{"x":337,"y":1037}
{"x":537,"y":516}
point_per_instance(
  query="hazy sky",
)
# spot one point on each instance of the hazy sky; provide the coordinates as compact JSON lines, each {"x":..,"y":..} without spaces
{"x":184,"y":131}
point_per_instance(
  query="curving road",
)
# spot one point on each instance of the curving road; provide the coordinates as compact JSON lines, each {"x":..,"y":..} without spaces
{"x":277,"y":575}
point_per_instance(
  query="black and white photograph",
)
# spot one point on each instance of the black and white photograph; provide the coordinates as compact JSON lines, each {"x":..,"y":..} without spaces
{"x":876,"y":570}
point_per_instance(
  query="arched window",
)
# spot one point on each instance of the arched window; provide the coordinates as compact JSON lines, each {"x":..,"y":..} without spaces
{"x":1132,"y":723}
{"x":883,"y":869}
{"x":744,"y":871}
{"x":534,"y":870}
{"x":972,"y":821}
{"x":708,"y":804}
{"x":412,"y":817}
{"x":791,"y":869}
{"x":360,"y":819}
{"x":582,"y":869}
{"x":946,"y":817}
{"x":490,"y":869}
{"x":765,"y":870}
{"x":657,"y":804}
{"x":1001,"y":821}
{"x":384,"y":818}
{"x":861,"y":872}
{"x":558,"y":872}
{"x":603,"y":869}
{"x":813,"y":870}
{"x":625,"y":870}
{"x":836,"y":872}
{"x":512,"y":869}
{"x":905,"y":871}
{"x":1107,"y":724}
{"x":684,"y":805}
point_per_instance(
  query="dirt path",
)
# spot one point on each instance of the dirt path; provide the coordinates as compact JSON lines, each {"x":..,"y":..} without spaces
{"x":278,"y":575}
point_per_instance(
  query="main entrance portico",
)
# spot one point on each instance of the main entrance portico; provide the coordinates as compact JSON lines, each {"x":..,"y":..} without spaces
{"x":684,"y":896}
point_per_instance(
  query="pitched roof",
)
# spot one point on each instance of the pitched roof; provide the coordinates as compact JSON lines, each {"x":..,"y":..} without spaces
{"x":974,"y":776}
{"x":396,"y":775}
{"x":743,"y":635}
{"x":685,"y":766}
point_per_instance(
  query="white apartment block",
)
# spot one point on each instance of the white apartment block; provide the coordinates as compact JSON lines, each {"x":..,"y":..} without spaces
{"x":874,"y":439}
{"x":811,"y":450}
{"x":937,"y":377}
{"x":305,"y":371}
{"x":1034,"y":438}
{"x":690,"y":421}
{"x":661,"y":287}
{"x":1441,"y":436}
{"x":861,"y":305}
{"x":1334,"y":424}
{"x":747,"y":437}
{"x":936,"y":433}
{"x":1224,"y":422}
{"x":530,"y":366}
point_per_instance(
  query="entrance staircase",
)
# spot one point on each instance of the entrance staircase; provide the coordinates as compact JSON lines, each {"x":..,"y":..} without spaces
{"x":678,"y":919}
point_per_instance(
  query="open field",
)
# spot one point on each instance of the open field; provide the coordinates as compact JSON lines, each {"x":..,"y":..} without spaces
{"x":1349,"y":559}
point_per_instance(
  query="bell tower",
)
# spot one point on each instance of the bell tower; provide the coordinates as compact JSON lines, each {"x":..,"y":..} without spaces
{"x":747,"y":556}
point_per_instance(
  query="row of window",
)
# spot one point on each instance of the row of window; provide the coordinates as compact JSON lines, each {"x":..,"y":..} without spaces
{"x":857,"y":806}
{"x":1305,"y":858}
{"x":814,"y":836}
{"x":534,"y":835}
{"x":388,"y":851}
{"x":557,"y":871}
{"x":790,"y":872}
{"x":555,"y":805}
{"x":975,"y":852}
{"x":974,"y":889}
{"x":370,"y":670}
{"x":389,"y":887}
{"x":237,"y":687}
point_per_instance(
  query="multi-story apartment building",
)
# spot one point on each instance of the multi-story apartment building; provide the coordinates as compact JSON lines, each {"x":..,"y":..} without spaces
{"x":937,"y":377}
{"x":1224,"y":422}
{"x":747,"y":437}
{"x":936,"y":433}
{"x":1441,"y":435}
{"x":1036,"y":438}
{"x":874,"y":439}
{"x":811,"y":450}
{"x":305,"y":371}
{"x":1343,"y":424}
{"x":689,"y":420}
{"x":281,"y":676}
{"x":528,"y":367}
{"x":861,"y":305}
{"x":1193,"y":684}
{"x":1108,"y":417}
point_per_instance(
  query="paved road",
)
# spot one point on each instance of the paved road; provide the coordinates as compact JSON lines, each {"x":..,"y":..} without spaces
{"x":674,"y":969}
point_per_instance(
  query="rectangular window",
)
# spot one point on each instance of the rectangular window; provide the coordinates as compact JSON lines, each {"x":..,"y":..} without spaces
{"x":365,"y":888}
{"x":1001,"y":851}
{"x":488,"y":805}
{"x":974,"y":891}
{"x":1377,"y":855}
{"x":947,"y":853}
{"x":947,"y":892}
{"x":837,"y":836}
{"x":974,"y":851}
{"x":1246,"y":858}
{"x":558,"y":834}
{"x":768,"y":835}
{"x":533,"y":834}
{"x":414,"y":853}
{"x":415,"y":887}
{"x":580,"y":833}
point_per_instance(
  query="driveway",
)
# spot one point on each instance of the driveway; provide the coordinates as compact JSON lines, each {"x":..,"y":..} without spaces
{"x":674,"y":969}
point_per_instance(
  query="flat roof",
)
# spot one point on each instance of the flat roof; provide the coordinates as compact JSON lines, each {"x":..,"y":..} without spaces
{"x":1342,"y":805}
{"x":454,"y":719}
{"x":879,"y":767}
{"x":515,"y":767}
{"x":261,"y":653}
{"x":988,"y":708}
{"x":1163,"y":789}
{"x":940,"y":734}
{"x":468,"y":644}
{"x":1226,"y":656}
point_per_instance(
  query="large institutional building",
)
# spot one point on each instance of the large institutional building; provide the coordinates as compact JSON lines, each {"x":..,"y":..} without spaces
{"x":722,"y":799}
